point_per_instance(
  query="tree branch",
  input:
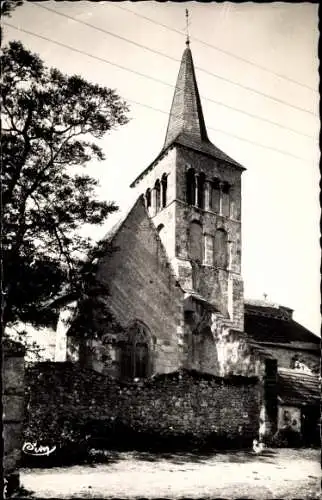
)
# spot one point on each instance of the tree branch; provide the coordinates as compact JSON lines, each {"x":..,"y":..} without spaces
{"x":7,"y":195}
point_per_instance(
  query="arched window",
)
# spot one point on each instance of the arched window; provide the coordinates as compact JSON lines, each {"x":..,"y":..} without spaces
{"x":148,"y":198}
{"x":209,"y":250}
{"x":164,"y":182}
{"x":191,"y":187}
{"x":215,"y":196}
{"x":135,"y":350}
{"x":221,"y":249}
{"x":160,"y":227}
{"x":201,"y":190}
{"x":225,"y":200}
{"x":195,"y":241}
{"x":157,"y":189}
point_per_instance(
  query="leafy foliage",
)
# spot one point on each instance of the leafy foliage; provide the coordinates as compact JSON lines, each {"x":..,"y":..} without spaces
{"x":7,"y":6}
{"x":51,"y":124}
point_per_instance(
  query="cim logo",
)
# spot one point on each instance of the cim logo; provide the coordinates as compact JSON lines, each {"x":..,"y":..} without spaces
{"x":37,"y":450}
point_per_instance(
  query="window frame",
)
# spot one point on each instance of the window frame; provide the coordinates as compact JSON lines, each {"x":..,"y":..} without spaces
{"x":137,"y":334}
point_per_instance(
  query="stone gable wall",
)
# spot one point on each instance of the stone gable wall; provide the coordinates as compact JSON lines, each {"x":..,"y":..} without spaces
{"x":142,"y":287}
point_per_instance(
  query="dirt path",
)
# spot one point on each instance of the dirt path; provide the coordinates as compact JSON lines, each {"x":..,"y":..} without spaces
{"x":276,"y":474}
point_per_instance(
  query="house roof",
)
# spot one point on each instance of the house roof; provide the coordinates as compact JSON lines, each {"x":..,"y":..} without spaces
{"x":264,"y":307}
{"x":274,"y":324}
{"x":186,"y":125}
{"x":298,"y":388}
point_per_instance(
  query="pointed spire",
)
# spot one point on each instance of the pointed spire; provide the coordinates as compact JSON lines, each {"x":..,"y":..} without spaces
{"x":186,"y":116}
{"x":186,"y":126}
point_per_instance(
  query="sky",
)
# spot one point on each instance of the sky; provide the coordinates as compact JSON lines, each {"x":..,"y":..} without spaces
{"x":257,"y":72}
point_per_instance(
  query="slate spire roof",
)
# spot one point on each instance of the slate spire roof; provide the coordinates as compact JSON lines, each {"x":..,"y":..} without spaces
{"x":186,"y":125}
{"x":186,"y":114}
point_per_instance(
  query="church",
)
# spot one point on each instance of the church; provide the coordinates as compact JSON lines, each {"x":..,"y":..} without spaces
{"x":175,"y":283}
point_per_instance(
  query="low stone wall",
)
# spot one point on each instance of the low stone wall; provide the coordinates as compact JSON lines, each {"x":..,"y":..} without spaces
{"x":13,"y":410}
{"x":67,"y":405}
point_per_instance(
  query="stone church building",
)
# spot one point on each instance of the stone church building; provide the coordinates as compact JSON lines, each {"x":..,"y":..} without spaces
{"x":175,"y":280}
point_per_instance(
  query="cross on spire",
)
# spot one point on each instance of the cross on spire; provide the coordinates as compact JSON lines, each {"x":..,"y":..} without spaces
{"x":187,"y":28}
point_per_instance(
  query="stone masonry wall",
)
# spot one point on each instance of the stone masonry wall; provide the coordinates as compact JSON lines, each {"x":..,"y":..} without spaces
{"x":168,"y":406}
{"x":13,"y":410}
{"x":166,"y":165}
{"x":234,"y":353}
{"x":237,"y":306}
{"x":284,"y":356}
{"x":142,"y":287}
{"x":214,"y":347}
{"x":223,"y":288}
{"x":166,"y":216}
{"x":211,"y":168}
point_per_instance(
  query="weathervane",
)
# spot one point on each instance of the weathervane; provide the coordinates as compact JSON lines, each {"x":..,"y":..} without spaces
{"x":187,"y":27}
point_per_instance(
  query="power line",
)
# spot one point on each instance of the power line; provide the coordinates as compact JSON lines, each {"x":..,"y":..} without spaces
{"x":139,"y":45}
{"x":143,"y":75}
{"x":251,"y":115}
{"x":226,"y":52}
{"x":142,"y":104}
{"x":281,"y":151}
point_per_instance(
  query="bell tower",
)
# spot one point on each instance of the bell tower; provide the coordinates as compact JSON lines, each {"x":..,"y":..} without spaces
{"x":193,"y":194}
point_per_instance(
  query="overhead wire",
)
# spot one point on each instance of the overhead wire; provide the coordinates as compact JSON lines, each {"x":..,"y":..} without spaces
{"x":238,"y":110}
{"x":281,"y":151}
{"x":139,"y":45}
{"x":219,"y":49}
{"x":79,"y":51}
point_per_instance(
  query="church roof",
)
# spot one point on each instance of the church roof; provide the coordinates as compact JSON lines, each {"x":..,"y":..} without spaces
{"x":297,"y":387}
{"x":274,"y":324}
{"x":186,"y":125}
